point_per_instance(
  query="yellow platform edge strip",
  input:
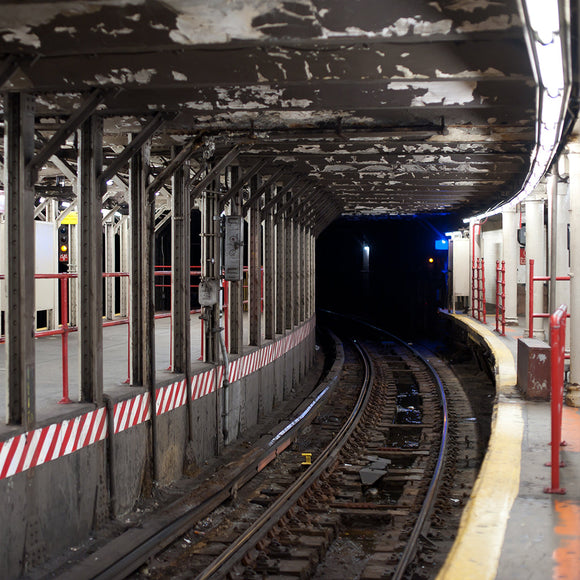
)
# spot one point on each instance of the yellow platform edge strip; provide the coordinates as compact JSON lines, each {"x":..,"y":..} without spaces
{"x":476,"y":551}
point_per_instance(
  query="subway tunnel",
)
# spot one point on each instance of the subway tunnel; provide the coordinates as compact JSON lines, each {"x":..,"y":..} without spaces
{"x":185,"y":184}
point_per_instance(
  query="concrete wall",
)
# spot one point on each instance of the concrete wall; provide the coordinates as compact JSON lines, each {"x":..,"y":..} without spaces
{"x":105,"y":460}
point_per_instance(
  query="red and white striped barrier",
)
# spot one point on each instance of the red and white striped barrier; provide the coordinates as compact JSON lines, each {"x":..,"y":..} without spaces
{"x":170,"y":397}
{"x":203,"y":384}
{"x":131,"y":412}
{"x":40,"y":446}
{"x":57,"y":440}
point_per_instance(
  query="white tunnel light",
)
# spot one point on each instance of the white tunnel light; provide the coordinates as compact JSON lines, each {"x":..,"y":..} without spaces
{"x":543,"y":19}
{"x":551,"y":68}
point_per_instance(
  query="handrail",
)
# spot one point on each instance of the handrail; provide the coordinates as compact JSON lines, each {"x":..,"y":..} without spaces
{"x":531,"y":280}
{"x":478,"y":290}
{"x":500,"y":297}
{"x":65,"y":328}
{"x":557,"y":347}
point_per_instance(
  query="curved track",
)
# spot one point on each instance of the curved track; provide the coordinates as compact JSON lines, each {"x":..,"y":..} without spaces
{"x":289,"y":498}
{"x":363,"y":409}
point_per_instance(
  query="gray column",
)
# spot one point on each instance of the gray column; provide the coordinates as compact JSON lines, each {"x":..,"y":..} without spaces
{"x":280,"y":277}
{"x":573,"y":323}
{"x":90,"y":255}
{"x":312,"y":273}
{"x":181,"y":277}
{"x":142,"y":345}
{"x":297,"y":268}
{"x":289,"y":278}
{"x":210,"y":271}
{"x":236,"y":289}
{"x":562,"y":254}
{"x":302,"y":277}
{"x":269,"y":272}
{"x":308,"y":273}
{"x":511,"y":257}
{"x":254,"y":270}
{"x":19,"y":192}
{"x":149,"y":292}
{"x":536,"y":250}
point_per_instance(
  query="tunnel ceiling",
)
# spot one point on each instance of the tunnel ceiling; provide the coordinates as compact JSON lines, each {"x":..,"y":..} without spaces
{"x":387,"y":107}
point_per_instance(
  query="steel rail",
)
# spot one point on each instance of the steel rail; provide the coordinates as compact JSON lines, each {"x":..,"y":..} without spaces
{"x":227,"y":559}
{"x":147,"y":541}
{"x":431,"y":496}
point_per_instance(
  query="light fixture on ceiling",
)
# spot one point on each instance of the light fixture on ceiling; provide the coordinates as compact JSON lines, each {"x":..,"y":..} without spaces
{"x":548,"y":51}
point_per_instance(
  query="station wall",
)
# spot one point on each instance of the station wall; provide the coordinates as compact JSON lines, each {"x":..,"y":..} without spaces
{"x":66,"y":479}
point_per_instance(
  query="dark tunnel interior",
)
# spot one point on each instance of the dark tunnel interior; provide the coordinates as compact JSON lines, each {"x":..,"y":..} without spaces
{"x":406,"y":278}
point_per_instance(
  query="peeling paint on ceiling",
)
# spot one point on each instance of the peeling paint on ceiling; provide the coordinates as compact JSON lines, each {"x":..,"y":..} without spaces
{"x":393,"y":107}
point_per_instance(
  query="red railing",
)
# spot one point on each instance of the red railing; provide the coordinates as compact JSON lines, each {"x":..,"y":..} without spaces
{"x":162,"y":271}
{"x":531,"y":280}
{"x":500,"y":297}
{"x":478,"y":291}
{"x":65,"y":328}
{"x":557,"y":348}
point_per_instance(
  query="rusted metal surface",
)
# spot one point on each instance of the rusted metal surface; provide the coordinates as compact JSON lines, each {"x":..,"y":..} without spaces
{"x":394,"y":107}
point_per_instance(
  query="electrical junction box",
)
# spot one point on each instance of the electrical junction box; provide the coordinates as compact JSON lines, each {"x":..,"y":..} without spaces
{"x":233,"y":248}
{"x":208,"y":292}
{"x":534,"y":378}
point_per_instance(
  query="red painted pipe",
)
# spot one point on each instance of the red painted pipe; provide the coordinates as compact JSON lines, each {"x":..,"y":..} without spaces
{"x":557,"y":346}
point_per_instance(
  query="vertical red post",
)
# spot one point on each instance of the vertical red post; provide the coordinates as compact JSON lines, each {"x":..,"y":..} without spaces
{"x":226,"y":310}
{"x":202,"y":340}
{"x":502,"y":298}
{"x":497,"y":294}
{"x":473,"y":289}
{"x":557,"y":346}
{"x":483,"y":309}
{"x":64,"y":323}
{"x":128,"y":381}
{"x":531,"y":300}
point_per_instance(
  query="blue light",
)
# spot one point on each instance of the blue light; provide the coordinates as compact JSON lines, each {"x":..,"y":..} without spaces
{"x":441,"y":244}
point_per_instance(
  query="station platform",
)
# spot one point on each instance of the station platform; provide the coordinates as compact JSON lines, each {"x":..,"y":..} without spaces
{"x":510,"y":528}
{"x":49,"y":365}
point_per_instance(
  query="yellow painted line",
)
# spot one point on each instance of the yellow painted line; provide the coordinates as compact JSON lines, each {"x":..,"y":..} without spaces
{"x":477,"y":549}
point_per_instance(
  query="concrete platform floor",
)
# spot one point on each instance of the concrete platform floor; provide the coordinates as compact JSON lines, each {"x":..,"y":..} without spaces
{"x":49,"y":390}
{"x":534,"y":535}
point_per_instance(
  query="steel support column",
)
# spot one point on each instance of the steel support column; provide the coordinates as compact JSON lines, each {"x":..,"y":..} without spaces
{"x":19,"y":192}
{"x":280,"y":276}
{"x":312,"y":274}
{"x":181,"y":277}
{"x":210,"y":269}
{"x":236,"y":289}
{"x":90,"y":261}
{"x":290,"y":273}
{"x":297,"y":268}
{"x":255,"y":270}
{"x":141,"y":278}
{"x":303,"y":271}
{"x":269,"y":272}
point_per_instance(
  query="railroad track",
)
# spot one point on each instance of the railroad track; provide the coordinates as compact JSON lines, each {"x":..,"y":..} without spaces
{"x":377,"y":444}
